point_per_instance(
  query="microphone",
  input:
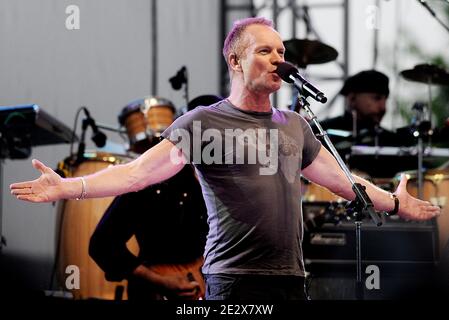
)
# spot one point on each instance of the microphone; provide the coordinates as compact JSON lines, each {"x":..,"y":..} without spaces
{"x":179,"y":79}
{"x":289,"y":73}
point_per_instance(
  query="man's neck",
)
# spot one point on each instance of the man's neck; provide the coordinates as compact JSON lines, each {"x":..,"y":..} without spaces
{"x":250,"y":101}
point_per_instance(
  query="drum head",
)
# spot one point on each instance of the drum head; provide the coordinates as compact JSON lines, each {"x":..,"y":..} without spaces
{"x":145,"y":119}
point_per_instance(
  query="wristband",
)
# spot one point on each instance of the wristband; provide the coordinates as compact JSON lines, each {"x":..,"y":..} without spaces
{"x":83,"y":194}
{"x":396,"y":205}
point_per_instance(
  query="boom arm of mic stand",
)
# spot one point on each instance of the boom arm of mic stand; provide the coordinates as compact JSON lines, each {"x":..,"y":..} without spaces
{"x":109,"y":128}
{"x":363,"y":202}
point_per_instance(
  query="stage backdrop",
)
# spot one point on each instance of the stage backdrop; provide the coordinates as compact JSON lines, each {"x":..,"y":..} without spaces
{"x":103,"y":65}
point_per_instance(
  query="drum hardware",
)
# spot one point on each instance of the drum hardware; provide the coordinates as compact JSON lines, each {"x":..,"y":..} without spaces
{"x":304,"y":52}
{"x":318,"y":213}
{"x":110,"y":128}
{"x":430,"y":75}
{"x":429,"y":152}
{"x":145,"y":119}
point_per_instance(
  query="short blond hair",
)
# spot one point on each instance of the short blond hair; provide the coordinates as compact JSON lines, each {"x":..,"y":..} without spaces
{"x":234,"y":38}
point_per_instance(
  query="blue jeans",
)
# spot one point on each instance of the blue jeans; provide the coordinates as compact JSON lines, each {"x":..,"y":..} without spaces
{"x":254,"y":287}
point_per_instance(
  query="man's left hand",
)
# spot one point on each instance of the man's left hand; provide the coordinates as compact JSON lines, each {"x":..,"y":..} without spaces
{"x":411,"y":208}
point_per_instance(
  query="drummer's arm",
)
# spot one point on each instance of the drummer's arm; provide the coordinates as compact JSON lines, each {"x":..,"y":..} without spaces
{"x":153,"y":166}
{"x":325,"y":171}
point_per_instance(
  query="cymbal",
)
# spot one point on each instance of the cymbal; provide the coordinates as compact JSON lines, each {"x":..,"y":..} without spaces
{"x":303,"y":52}
{"x":427,"y":73}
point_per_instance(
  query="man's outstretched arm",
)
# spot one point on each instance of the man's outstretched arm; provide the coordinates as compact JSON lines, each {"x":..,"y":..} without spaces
{"x":155,"y":165}
{"x":325,"y":171}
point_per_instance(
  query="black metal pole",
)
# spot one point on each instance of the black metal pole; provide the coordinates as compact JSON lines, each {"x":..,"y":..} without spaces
{"x":358,"y":248}
{"x":223,"y":67}
{"x":154,"y":50}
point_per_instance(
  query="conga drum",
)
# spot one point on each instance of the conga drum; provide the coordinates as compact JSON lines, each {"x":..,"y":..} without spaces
{"x":145,"y":119}
{"x":435,"y":190}
{"x":78,"y":222}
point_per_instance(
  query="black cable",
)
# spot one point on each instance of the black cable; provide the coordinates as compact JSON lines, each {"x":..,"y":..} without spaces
{"x":74,"y":128}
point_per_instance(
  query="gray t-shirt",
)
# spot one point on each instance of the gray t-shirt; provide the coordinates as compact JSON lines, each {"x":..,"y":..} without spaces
{"x":249,"y":166}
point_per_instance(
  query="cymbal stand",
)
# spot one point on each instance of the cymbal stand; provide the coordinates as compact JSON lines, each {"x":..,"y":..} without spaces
{"x":422,"y":128}
{"x":420,"y":166}
{"x":360,"y":207}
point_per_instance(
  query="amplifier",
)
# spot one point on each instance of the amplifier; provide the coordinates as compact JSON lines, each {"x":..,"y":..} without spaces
{"x":406,"y":241}
{"x":330,"y":235}
{"x":405,"y":253}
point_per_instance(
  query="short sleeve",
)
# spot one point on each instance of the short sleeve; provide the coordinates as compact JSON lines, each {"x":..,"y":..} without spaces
{"x":182,"y":131}
{"x":312,"y":145}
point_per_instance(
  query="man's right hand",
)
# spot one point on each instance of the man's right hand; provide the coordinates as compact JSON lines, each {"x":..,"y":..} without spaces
{"x":179,"y":286}
{"x":172,"y":285}
{"x":48,"y":187}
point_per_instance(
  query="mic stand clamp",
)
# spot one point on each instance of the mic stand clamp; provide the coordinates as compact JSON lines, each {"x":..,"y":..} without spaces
{"x":360,"y":207}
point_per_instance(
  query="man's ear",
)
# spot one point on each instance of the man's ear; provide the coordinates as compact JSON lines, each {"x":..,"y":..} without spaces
{"x":349,"y":101}
{"x":234,"y":62}
{"x":350,"y":98}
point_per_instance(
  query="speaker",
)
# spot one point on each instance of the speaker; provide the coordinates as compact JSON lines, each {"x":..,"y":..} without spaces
{"x":405,"y":254}
{"x":397,"y":281}
{"x":397,"y":241}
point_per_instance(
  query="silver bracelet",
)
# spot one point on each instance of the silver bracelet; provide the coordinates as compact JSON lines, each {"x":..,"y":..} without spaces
{"x":83,"y":194}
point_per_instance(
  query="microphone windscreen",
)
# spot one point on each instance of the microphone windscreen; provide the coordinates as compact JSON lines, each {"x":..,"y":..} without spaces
{"x":99,"y":138}
{"x":284,"y":70}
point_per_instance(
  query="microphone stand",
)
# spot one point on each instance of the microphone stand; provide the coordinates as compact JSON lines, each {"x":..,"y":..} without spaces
{"x":82,"y":143}
{"x":360,"y":207}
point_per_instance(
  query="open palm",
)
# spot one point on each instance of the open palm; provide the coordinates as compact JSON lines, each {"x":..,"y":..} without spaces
{"x":46,"y":188}
{"x":411,"y":207}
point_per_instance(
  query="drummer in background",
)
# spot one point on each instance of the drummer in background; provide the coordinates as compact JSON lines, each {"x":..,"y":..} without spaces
{"x":174,"y":234}
{"x":366,"y":95}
